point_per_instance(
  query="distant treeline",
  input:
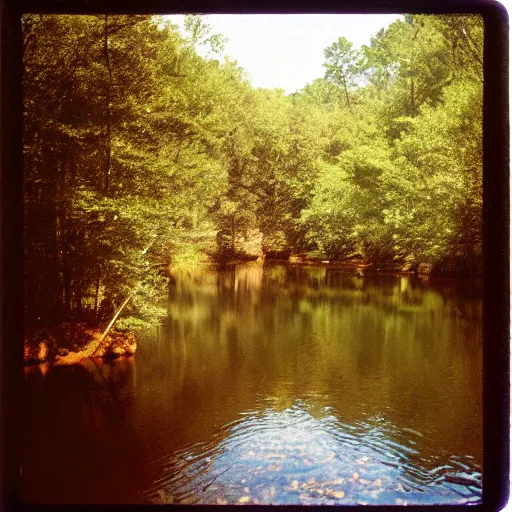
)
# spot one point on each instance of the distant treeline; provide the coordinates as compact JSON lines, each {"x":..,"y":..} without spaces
{"x":139,"y":151}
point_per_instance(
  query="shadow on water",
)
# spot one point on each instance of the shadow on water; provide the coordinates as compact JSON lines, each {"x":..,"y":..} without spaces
{"x":79,"y":445}
{"x":273,"y":384}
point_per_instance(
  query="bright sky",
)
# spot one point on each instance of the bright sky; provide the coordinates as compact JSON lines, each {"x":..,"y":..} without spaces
{"x":286,"y":51}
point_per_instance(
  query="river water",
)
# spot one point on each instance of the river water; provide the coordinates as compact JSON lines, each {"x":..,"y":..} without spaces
{"x":275,"y":385}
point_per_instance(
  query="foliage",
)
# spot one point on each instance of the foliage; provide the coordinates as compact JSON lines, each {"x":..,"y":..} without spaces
{"x":140,"y":153}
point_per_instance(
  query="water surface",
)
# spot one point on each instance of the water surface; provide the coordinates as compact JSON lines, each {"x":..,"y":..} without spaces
{"x":275,"y":385}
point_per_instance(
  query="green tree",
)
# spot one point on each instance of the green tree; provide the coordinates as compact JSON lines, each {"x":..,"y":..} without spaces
{"x":342,"y":66}
{"x":144,"y":146}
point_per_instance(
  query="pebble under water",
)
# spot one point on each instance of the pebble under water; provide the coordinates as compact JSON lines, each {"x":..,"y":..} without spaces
{"x":290,"y":457}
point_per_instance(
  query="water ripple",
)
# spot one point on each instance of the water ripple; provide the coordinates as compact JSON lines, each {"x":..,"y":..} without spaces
{"x":290,"y":457}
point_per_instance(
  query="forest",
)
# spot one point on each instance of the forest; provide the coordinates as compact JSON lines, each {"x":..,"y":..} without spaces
{"x":140,"y":152}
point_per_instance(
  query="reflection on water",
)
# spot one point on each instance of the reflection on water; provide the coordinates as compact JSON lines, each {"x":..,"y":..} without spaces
{"x":273,"y":384}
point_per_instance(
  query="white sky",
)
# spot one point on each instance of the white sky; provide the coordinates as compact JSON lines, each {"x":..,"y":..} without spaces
{"x":286,"y":50}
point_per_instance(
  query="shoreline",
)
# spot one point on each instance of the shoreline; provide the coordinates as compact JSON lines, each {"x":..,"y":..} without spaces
{"x":73,"y":342}
{"x":69,"y":343}
{"x":420,"y":270}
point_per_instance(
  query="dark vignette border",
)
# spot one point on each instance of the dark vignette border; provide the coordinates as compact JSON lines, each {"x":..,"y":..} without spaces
{"x":496,"y":350}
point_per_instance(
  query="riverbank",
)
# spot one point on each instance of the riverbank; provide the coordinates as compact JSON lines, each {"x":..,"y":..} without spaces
{"x":71,"y":342}
{"x":359,"y":265}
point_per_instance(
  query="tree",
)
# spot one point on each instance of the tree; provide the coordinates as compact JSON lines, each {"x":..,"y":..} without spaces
{"x":79,"y":225}
{"x":139,"y":151}
{"x":341,"y":63}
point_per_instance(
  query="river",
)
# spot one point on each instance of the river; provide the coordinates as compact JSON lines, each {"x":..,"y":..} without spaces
{"x":272,"y":384}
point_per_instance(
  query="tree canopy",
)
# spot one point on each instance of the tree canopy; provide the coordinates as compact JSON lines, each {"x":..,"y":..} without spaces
{"x":139,"y":152}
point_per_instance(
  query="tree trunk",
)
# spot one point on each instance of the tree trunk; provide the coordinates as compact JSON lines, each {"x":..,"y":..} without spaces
{"x":347,"y":98}
{"x":109,"y":114}
{"x":67,"y":291}
{"x":413,"y":100}
{"x":78,"y":298}
{"x":114,"y":318}
{"x":233,"y":233}
{"x":97,"y":295}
